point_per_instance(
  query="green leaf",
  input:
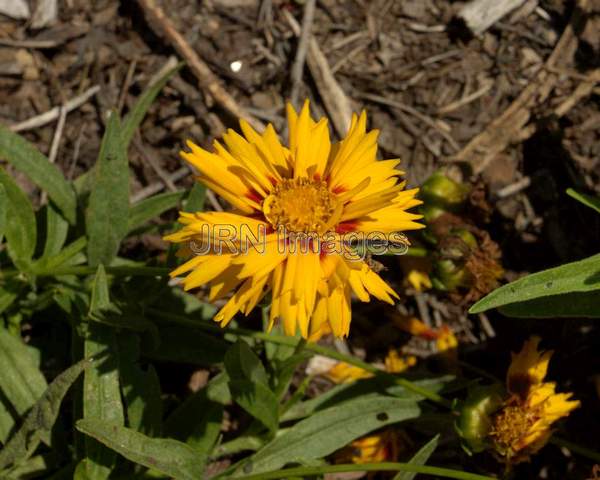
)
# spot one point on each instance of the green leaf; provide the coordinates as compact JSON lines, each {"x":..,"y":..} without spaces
{"x":138,"y":112}
{"x":108,"y":209}
{"x":580,"y":276}
{"x":196,"y":198}
{"x":20,"y":228}
{"x":578,"y":304}
{"x":241,"y":363}
{"x":587,"y":200}
{"x":329,"y":430}
{"x":65,"y":255}
{"x":56,"y":231}
{"x":40,"y":419}
{"x":286,"y":370}
{"x":182,"y":345}
{"x":141,"y":388}
{"x":364,"y":388}
{"x":21,"y":381}
{"x":9,"y":293}
{"x":169,"y":457}
{"x":152,"y":207}
{"x":28,"y":159}
{"x":100,"y":298}
{"x":420,"y":458}
{"x":7,"y":422}
{"x":249,"y":385}
{"x":101,"y":397}
{"x":3,"y":210}
{"x":197,"y":422}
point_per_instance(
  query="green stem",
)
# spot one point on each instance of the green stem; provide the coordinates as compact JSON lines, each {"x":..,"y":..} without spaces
{"x":311,"y":347}
{"x":304,"y":472}
{"x":141,"y":271}
{"x":237,"y":445}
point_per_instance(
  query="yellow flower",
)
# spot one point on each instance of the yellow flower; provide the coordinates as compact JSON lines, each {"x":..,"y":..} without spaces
{"x":376,"y":448}
{"x":394,"y":363}
{"x":312,"y":191}
{"x":343,"y":372}
{"x":419,"y":280}
{"x":524,"y":423}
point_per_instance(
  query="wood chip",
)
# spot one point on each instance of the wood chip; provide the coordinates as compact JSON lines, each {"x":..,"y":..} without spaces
{"x":17,"y":9}
{"x":479,"y":15}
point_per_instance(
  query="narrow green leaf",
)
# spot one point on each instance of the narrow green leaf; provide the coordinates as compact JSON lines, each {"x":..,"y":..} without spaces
{"x":28,"y":159}
{"x":286,"y":370}
{"x":141,"y":388}
{"x":40,"y":419}
{"x":3,"y":210}
{"x":56,"y":231}
{"x":364,"y":388}
{"x":249,"y":385}
{"x":7,"y":422}
{"x":329,"y":430}
{"x":9,"y":293}
{"x":169,"y":457}
{"x":20,"y":229}
{"x":587,"y":200}
{"x":580,"y":276}
{"x":196,"y":198}
{"x":241,"y":363}
{"x":21,"y":381}
{"x":101,"y":397}
{"x":419,"y":458}
{"x":197,"y":422}
{"x":152,"y":207}
{"x":578,"y":304}
{"x":100,"y":298}
{"x":65,"y":255}
{"x":108,"y":209}
{"x":258,"y":400}
{"x":182,"y":345}
{"x":138,"y":112}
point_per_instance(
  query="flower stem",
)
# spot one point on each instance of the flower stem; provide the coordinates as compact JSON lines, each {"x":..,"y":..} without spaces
{"x":303,"y":472}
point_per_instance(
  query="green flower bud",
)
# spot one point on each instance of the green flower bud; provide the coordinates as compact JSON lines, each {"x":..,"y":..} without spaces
{"x":447,"y":275}
{"x":475,"y":421}
{"x":443,"y":192}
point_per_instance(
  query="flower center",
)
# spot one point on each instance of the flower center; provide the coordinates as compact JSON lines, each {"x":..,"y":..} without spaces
{"x":301,"y":205}
{"x":511,"y":425}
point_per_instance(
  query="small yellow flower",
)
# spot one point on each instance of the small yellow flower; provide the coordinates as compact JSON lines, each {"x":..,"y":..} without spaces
{"x":446,"y":340}
{"x":343,"y":372}
{"x":376,"y":448}
{"x":419,"y":280}
{"x":309,"y":187}
{"x":394,"y":363}
{"x":524,"y":423}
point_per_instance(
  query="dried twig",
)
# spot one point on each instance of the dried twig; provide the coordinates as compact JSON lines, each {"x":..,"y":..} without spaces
{"x":53,"y":114}
{"x":415,"y":113}
{"x":156,"y":187}
{"x":479,"y":15}
{"x":208,"y":81}
{"x":514,"y":188}
{"x":336,"y":102}
{"x":512,"y":124}
{"x":147,"y":156}
{"x":305,"y":36}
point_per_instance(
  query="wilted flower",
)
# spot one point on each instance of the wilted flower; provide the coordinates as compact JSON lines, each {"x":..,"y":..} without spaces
{"x":519,"y":423}
{"x":310,"y":190}
{"x":394,"y":362}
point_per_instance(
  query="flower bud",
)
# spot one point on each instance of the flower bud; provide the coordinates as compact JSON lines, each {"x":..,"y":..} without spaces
{"x":475,"y":421}
{"x":441,"y":191}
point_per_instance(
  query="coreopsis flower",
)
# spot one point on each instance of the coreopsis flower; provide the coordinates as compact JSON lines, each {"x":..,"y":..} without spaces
{"x":524,"y":424}
{"x":299,"y":201}
{"x":518,"y":423}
